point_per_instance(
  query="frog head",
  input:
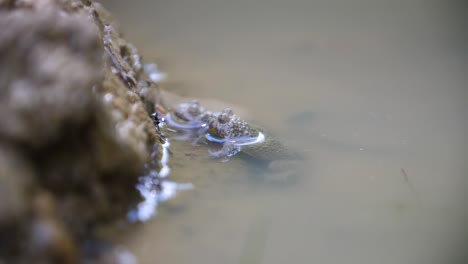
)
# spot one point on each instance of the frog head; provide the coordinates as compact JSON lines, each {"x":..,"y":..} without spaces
{"x":192,"y":111}
{"x":226,"y":124}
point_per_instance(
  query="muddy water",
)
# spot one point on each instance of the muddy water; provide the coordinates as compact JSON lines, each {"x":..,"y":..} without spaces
{"x":371,"y":92}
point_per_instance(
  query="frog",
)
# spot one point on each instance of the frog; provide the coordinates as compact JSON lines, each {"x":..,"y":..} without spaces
{"x":233,"y":135}
{"x":236,"y":135}
{"x":190,"y":118}
{"x":190,"y":115}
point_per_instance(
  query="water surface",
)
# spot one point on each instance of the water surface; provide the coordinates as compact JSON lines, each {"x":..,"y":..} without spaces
{"x":373,"y":93}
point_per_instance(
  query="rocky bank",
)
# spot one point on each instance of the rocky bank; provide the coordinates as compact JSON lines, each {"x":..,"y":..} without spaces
{"x":75,"y":129}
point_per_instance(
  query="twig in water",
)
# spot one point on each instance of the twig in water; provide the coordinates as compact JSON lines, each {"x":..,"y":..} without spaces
{"x":411,"y":187}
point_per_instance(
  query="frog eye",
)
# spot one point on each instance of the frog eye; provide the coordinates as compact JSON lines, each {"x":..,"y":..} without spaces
{"x":194,"y":109}
{"x":194,"y":104}
{"x":228,"y":111}
{"x":223,"y":118}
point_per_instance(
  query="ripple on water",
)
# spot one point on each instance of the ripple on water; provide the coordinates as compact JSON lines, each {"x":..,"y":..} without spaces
{"x":155,"y":189}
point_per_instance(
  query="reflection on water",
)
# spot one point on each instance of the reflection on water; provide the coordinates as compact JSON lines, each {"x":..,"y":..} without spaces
{"x":366,"y":90}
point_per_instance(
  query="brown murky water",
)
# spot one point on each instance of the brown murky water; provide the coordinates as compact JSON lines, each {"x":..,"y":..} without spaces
{"x":365,"y":89}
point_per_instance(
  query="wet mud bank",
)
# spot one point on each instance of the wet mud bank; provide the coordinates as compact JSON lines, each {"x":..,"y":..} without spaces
{"x":76,"y":131}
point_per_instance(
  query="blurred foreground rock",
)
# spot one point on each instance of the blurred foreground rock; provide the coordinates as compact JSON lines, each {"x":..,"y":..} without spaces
{"x":74,"y":131}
